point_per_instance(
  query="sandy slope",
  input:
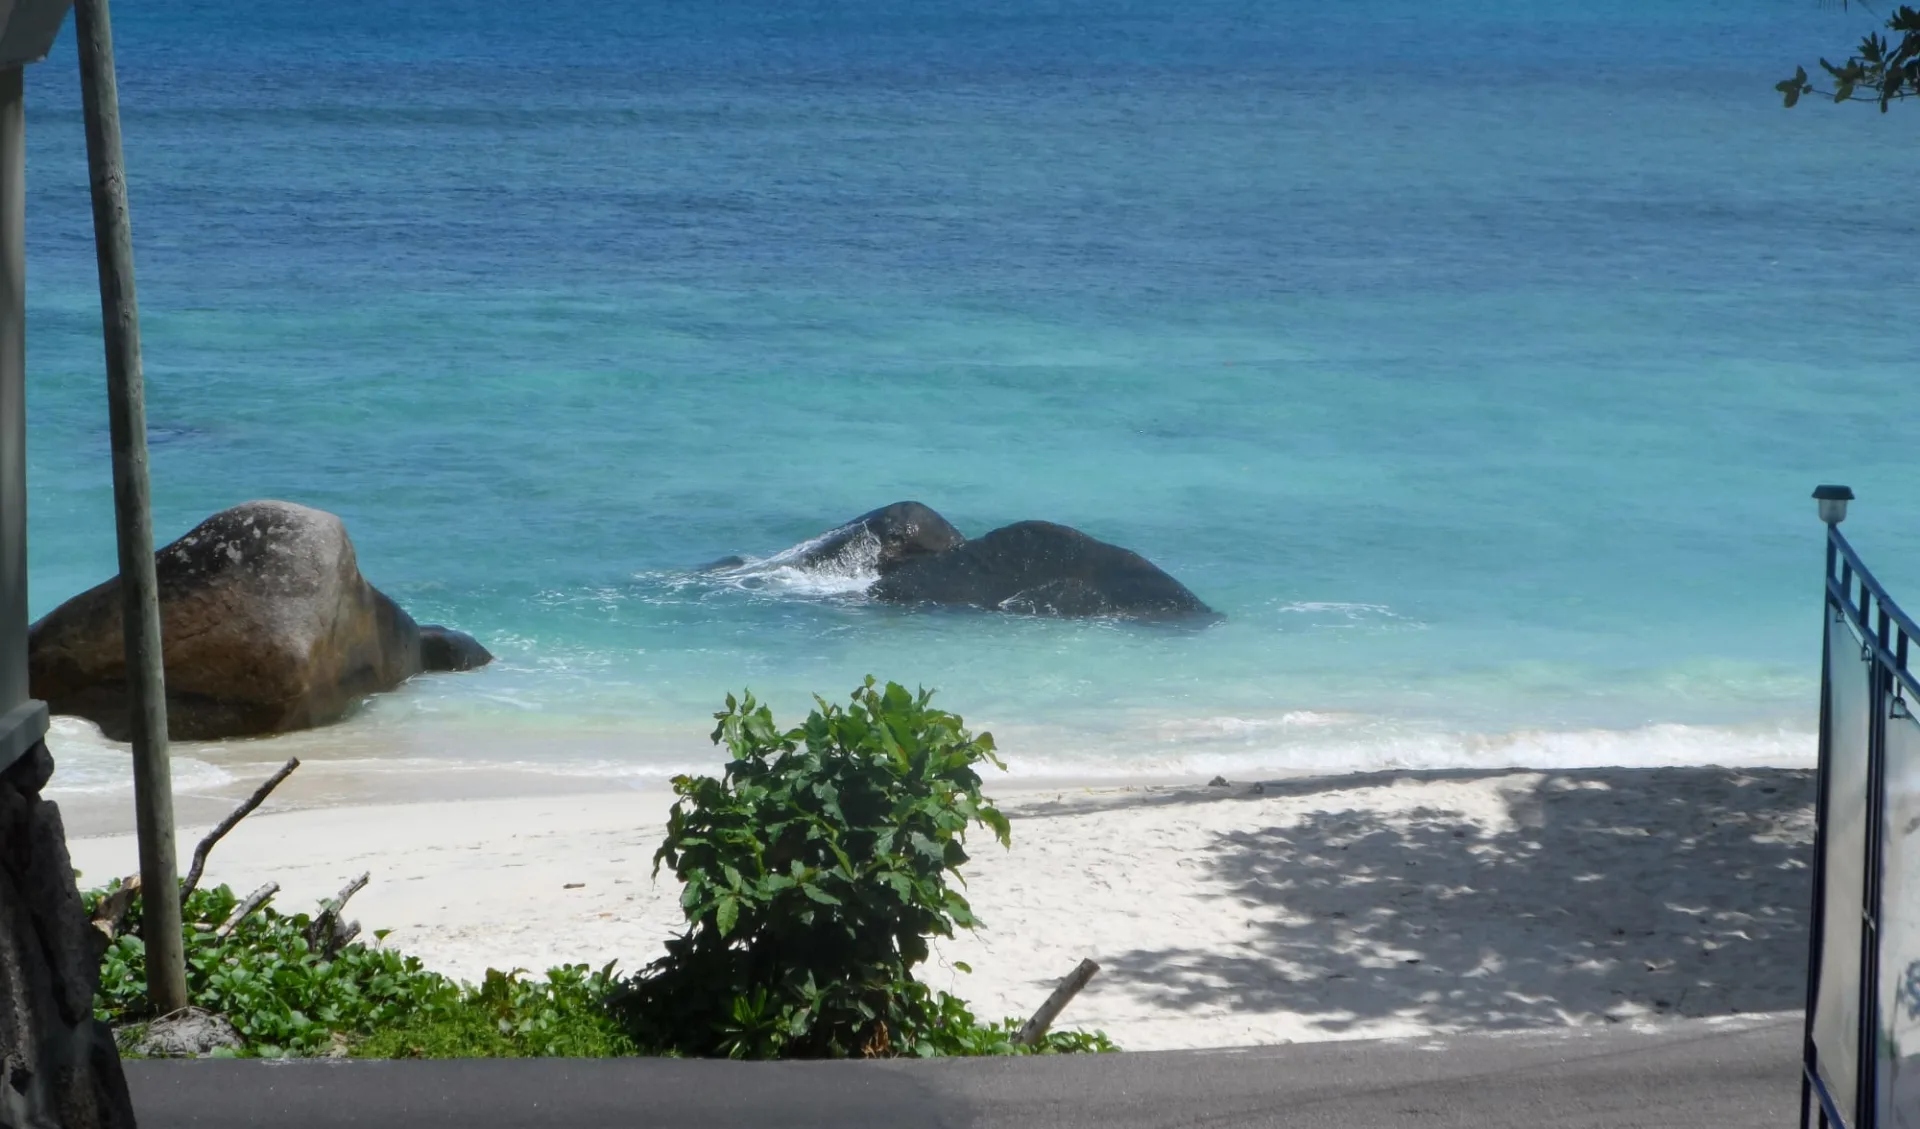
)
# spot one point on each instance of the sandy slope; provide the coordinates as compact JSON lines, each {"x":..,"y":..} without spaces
{"x":1333,"y":907}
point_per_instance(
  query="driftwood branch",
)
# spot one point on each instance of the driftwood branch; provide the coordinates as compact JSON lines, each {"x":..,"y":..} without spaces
{"x":1031,"y":1031}
{"x":240,"y":912}
{"x":219,"y":832}
{"x":111,"y":912}
{"x":326,"y":934}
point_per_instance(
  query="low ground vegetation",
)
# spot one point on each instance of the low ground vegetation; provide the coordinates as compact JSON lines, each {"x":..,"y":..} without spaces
{"x":814,"y":874}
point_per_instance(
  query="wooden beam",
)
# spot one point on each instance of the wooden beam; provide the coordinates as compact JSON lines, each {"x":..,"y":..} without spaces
{"x":133,"y":517}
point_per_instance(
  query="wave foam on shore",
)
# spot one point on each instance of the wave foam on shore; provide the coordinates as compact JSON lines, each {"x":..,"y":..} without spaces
{"x":1241,"y":748}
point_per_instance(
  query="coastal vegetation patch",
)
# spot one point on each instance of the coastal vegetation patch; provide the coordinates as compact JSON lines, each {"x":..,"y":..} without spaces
{"x":815,"y":873}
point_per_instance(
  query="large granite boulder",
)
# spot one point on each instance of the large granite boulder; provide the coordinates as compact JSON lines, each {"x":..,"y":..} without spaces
{"x":58,"y":1065}
{"x":1039,"y":568}
{"x":266,"y":623}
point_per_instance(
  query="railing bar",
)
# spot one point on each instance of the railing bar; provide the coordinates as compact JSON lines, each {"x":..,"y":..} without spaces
{"x":1826,"y":1100}
{"x":1879,"y":651}
{"x":1844,"y":599}
{"x":1868,"y":582}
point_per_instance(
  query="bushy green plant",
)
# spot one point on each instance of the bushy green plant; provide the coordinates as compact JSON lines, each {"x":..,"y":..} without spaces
{"x":815,"y":873}
{"x":281,"y":996}
{"x":955,"y":1031}
{"x":285,"y":999}
{"x":511,"y":1016}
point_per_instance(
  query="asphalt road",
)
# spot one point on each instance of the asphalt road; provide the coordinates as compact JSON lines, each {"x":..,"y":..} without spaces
{"x":1731,"y":1076}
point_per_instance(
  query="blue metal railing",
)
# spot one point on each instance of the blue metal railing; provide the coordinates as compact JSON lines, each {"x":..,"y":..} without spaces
{"x":1849,"y":871}
{"x":1885,"y":627}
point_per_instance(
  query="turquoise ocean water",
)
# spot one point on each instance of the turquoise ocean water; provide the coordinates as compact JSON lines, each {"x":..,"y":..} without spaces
{"x":1476,"y":360}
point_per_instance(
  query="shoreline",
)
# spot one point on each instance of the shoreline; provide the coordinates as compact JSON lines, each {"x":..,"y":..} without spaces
{"x":362,"y":762}
{"x":1304,"y":909}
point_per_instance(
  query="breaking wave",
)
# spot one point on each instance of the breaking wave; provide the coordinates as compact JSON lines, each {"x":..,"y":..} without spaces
{"x":802,"y":570}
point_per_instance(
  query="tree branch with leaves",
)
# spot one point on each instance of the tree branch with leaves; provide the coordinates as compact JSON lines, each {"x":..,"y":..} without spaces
{"x":1878,"y":71}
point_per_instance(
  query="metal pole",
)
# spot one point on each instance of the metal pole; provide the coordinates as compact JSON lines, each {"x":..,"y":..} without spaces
{"x":140,"y":603}
{"x":1809,"y":1054}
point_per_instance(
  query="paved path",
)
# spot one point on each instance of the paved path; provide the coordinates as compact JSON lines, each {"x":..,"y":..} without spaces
{"x":1730,"y":1076}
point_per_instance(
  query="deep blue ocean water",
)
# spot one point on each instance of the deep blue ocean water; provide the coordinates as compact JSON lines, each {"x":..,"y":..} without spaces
{"x":1475,"y":359}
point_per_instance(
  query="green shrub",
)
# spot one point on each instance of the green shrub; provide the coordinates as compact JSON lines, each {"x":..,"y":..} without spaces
{"x":281,"y":996}
{"x":508,"y":1016}
{"x":286,"y":999}
{"x":815,"y":873}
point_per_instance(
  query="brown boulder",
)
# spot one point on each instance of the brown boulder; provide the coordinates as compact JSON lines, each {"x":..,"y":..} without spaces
{"x":266,"y":624}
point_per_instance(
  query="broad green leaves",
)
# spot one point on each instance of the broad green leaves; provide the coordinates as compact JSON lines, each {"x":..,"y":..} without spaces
{"x":815,"y":868}
{"x":284,"y":999}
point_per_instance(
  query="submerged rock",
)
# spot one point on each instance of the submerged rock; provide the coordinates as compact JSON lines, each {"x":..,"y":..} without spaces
{"x":266,"y":623}
{"x":906,"y":553}
{"x":881,"y":539}
{"x":1039,"y":568}
{"x":443,"y":648}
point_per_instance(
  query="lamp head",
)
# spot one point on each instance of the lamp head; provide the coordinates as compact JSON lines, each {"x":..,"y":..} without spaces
{"x":1833,"y":503}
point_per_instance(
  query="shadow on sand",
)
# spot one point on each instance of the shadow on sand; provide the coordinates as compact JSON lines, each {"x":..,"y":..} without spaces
{"x":1601,"y":895}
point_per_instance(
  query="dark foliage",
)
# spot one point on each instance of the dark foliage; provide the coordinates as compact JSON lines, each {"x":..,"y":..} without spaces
{"x":1879,"y":70}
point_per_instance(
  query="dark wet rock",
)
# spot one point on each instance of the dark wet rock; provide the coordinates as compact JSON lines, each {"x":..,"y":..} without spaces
{"x":267,"y":625}
{"x":442,"y":648}
{"x":882,"y":539}
{"x":58,"y":1065}
{"x":32,"y":771}
{"x":1039,"y":568}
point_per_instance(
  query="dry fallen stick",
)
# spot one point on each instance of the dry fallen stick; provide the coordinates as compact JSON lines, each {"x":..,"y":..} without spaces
{"x":326,"y":934}
{"x":206,"y":845}
{"x":254,"y":901}
{"x":1032,"y":1029}
{"x":112,"y":910}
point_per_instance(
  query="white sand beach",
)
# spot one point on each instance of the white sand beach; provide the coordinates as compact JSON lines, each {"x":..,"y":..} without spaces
{"x":1308,"y":909}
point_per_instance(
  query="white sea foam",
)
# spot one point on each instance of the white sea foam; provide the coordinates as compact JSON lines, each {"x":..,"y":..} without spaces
{"x":87,"y":763}
{"x":1205,"y":727}
{"x":639,"y":755}
{"x":1334,"y":607}
{"x":850,"y":571}
{"x":1294,"y":743}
